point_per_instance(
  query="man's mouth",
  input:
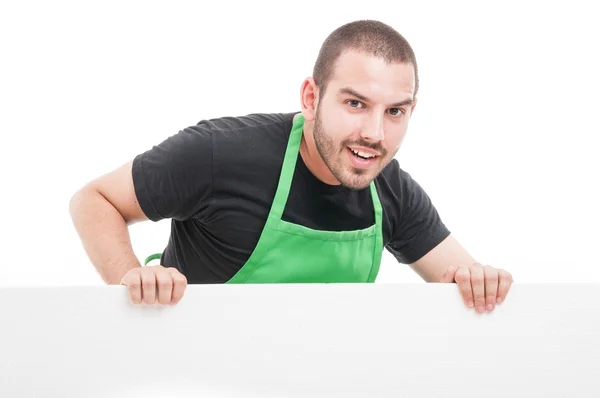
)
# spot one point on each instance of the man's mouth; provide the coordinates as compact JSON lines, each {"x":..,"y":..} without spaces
{"x":362,"y":154}
{"x":362,"y":158}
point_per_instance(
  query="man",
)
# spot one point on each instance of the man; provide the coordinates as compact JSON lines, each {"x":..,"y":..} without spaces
{"x":303,"y":197}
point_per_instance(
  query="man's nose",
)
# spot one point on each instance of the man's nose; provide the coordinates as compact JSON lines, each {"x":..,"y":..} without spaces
{"x":373,"y":130}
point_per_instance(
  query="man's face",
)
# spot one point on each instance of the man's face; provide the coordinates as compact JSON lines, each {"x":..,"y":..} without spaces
{"x":361,"y":121}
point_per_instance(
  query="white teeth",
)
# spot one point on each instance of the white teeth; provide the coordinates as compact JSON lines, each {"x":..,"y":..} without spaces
{"x":362,"y":154}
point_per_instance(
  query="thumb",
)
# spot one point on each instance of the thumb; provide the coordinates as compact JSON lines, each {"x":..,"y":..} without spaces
{"x":448,"y":276}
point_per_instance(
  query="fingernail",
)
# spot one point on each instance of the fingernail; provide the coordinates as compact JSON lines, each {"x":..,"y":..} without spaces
{"x":470,"y":303}
{"x":490,"y":307}
{"x":499,"y":300}
{"x":481,"y":309}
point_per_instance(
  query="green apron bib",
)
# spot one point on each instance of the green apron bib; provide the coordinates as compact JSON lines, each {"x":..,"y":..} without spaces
{"x":292,"y":253}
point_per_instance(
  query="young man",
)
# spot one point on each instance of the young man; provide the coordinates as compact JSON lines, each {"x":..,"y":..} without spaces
{"x":302,"y":197}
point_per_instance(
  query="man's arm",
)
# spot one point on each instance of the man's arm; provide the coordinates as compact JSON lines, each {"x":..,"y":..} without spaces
{"x":101,"y":212}
{"x":432,"y":266}
{"x":480,"y":286}
{"x":172,"y":180}
{"x":421,"y":240}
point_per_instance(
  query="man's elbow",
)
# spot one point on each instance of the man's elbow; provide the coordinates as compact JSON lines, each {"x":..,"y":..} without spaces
{"x":78,"y":199}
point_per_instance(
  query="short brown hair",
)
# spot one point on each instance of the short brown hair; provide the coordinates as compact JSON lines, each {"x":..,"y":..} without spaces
{"x":367,"y":36}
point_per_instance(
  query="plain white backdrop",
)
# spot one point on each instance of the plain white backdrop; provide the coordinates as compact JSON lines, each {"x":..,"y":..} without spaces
{"x":504,"y":137}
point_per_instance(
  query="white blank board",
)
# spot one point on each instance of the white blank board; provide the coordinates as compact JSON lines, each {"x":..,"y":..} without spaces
{"x":379,"y":340}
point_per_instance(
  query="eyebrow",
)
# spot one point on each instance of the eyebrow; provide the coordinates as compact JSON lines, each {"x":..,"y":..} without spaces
{"x":354,"y":93}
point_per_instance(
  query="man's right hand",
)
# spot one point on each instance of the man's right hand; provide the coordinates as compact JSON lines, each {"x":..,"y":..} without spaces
{"x":152,"y":284}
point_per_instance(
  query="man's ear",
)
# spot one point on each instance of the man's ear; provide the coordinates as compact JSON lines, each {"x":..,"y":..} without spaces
{"x":309,"y":98}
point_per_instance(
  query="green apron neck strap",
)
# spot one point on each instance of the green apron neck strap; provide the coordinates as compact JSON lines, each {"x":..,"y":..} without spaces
{"x":289,"y":165}
{"x":152,"y":257}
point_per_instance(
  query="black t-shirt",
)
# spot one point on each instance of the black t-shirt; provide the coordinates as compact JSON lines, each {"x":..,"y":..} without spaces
{"x":216,"y":182}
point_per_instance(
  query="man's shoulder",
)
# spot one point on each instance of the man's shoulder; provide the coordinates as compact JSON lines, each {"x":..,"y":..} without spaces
{"x":248,"y":123}
{"x":250,"y":145}
{"x":247,"y":136}
{"x":395,"y":185}
{"x":391,"y":177}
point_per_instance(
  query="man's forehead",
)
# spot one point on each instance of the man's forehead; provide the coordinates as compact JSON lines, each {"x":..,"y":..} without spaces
{"x":357,"y":68}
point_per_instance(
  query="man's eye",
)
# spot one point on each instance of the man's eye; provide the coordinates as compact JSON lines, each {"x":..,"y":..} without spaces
{"x":396,"y":111}
{"x":354,"y":103}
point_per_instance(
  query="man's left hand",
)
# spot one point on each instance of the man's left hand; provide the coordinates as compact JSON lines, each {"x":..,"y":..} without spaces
{"x":481,"y":286}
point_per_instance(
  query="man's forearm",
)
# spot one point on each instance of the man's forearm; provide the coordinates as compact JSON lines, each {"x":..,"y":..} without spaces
{"x":104,"y":234}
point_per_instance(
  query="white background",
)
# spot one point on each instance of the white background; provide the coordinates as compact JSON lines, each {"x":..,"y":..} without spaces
{"x":504,"y":138}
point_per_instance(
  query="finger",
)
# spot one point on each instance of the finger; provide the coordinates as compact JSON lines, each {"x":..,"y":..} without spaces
{"x":477,"y":282}
{"x":463,"y":279}
{"x":164,"y":283}
{"x":148,"y":285}
{"x":505,"y":280}
{"x":179,"y":286}
{"x":448,"y":276}
{"x":133,"y":282}
{"x":491,"y":286}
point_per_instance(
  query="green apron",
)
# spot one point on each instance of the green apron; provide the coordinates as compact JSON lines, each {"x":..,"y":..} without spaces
{"x":292,"y":253}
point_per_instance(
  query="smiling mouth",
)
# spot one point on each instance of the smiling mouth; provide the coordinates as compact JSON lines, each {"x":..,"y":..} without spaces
{"x":361,"y":160}
{"x":362,"y":154}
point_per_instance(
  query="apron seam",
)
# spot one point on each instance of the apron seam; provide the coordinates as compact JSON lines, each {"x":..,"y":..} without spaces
{"x":341,"y":239}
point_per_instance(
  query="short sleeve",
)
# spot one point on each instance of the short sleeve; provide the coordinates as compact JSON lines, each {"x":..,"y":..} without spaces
{"x":174,"y":179}
{"x":419,"y":228}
